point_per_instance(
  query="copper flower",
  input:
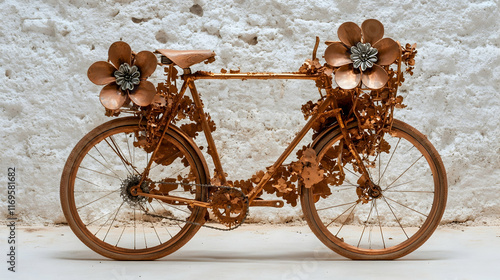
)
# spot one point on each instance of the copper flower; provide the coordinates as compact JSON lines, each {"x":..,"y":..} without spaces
{"x":360,"y":55}
{"x":124,"y":75}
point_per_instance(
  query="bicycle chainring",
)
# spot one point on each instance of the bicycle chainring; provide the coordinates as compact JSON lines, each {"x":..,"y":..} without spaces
{"x":229,"y":206}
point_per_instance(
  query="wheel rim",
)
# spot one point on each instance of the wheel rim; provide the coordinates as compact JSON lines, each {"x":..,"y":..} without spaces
{"x":397,"y":222}
{"x":104,"y":212}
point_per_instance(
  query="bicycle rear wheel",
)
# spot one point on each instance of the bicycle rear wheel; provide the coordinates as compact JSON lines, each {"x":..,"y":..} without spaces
{"x":414,"y":189}
{"x":98,"y":205}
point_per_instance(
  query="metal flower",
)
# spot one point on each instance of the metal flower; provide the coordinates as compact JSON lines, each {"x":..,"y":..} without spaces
{"x":124,"y":75}
{"x":363,"y":55}
{"x":360,"y":55}
{"x":127,"y":77}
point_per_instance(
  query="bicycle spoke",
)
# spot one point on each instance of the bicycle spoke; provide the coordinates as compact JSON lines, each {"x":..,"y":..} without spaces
{"x":144,"y":233}
{"x":95,"y":234}
{"x":411,"y":148}
{"x":352,"y":172}
{"x":154,"y":228}
{"x":161,"y":204}
{"x":103,"y":191}
{"x":134,"y":229}
{"x":364,"y":227}
{"x":92,"y":183}
{"x":370,"y":237}
{"x":98,"y":219}
{"x":170,"y":205}
{"x":78,"y":208}
{"x":411,"y":191}
{"x":178,"y":171}
{"x":340,"y":188}
{"x":134,"y":148}
{"x":405,"y":206}
{"x":122,"y":155}
{"x":105,"y":166}
{"x":330,"y":207}
{"x":99,"y":172}
{"x":345,"y":220}
{"x":388,"y":187}
{"x":369,"y":174}
{"x":166,"y":211}
{"x":397,"y":220}
{"x":402,"y":184}
{"x":118,"y":152}
{"x":341,"y":214}
{"x":119,"y":238}
{"x":129,"y":153}
{"x":167,"y":160}
{"x":379,"y":164}
{"x":348,"y":184}
{"x":112,"y":222}
{"x":387,"y":165}
{"x":379,"y":223}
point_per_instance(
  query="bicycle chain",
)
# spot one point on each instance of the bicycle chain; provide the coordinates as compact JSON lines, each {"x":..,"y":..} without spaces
{"x":199,"y":224}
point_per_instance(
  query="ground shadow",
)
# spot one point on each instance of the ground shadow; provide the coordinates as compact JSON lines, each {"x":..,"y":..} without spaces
{"x":228,"y":256}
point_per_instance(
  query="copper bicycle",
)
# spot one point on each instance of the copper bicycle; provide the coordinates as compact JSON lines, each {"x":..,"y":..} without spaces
{"x":370,"y":186}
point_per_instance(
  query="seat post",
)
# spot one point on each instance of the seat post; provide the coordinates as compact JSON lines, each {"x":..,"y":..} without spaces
{"x":212,"y":150}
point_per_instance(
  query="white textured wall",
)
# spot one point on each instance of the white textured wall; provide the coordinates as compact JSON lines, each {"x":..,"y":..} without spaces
{"x":47,"y":103}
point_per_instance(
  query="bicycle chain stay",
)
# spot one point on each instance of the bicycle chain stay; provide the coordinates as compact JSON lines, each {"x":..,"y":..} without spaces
{"x":199,"y":224}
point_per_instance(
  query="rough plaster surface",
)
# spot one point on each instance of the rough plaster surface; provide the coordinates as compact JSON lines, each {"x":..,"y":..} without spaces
{"x":47,"y":103}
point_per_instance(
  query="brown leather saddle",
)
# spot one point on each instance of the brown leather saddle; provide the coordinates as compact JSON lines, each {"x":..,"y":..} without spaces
{"x":185,"y":59}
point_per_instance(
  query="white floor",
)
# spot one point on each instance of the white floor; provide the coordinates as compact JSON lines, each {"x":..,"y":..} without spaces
{"x":256,"y":252}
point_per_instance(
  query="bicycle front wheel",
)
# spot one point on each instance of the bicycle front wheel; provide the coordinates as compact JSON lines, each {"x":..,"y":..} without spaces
{"x":98,"y":204}
{"x":414,"y":189}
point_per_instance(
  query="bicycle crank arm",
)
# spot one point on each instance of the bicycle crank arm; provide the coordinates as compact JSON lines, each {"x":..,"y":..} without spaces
{"x":176,"y":200}
{"x":267,"y":203}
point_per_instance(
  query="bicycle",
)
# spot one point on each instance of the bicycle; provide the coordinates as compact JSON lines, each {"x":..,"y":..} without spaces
{"x":370,"y":186}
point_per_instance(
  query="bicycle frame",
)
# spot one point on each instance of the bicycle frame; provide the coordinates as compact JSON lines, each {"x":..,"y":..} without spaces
{"x":189,"y":79}
{"x":352,"y":127}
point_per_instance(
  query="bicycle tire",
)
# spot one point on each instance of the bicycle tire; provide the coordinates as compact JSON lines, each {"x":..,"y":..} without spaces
{"x":95,"y":179}
{"x":409,"y":211}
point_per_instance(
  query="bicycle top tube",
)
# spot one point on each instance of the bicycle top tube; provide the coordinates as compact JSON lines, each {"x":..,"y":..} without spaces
{"x":199,"y":75}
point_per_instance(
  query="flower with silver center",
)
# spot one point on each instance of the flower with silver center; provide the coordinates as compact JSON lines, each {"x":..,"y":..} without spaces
{"x":127,"y":77}
{"x":363,"y":55}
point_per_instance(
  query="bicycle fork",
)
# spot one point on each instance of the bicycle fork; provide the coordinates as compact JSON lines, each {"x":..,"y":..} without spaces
{"x":365,"y":183}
